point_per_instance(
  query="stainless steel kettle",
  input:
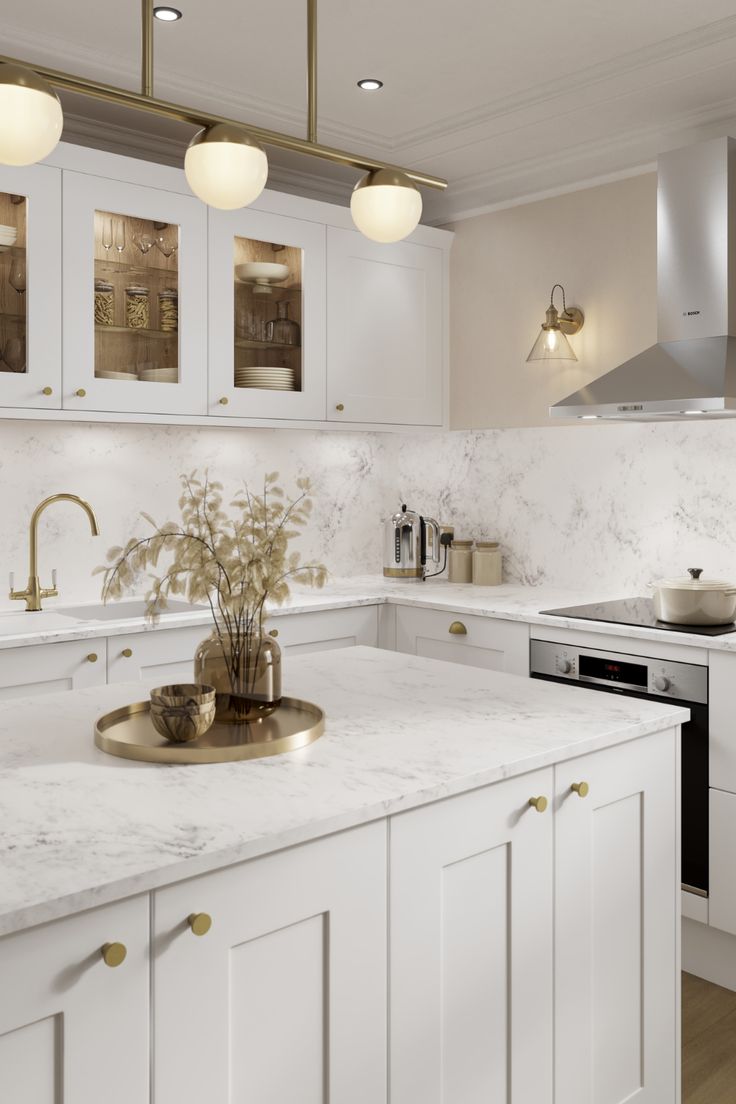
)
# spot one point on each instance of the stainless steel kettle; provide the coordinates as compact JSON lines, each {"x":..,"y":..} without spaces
{"x":410,"y":543}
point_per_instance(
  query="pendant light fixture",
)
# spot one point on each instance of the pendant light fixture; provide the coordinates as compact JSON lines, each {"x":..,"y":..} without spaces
{"x":31,"y":118}
{"x":552,"y":343}
{"x":386,"y":206}
{"x":225,"y":167}
{"x":225,"y":163}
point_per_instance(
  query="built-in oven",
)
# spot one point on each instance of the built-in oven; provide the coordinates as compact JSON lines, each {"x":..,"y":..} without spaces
{"x":660,"y":680}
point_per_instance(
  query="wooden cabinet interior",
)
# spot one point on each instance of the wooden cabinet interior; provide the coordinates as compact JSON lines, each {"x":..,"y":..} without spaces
{"x":268,"y":317}
{"x":136,"y":298}
{"x":13,"y":333}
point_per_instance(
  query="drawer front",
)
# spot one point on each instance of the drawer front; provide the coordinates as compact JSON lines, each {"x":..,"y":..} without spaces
{"x":326,"y":629}
{"x":47,"y":668}
{"x":164,"y":654}
{"x":475,"y":641}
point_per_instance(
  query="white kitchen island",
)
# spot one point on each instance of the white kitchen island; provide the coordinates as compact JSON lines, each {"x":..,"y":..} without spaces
{"x":389,"y":912}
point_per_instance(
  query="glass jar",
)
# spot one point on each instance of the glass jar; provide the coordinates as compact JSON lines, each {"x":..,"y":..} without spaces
{"x":460,"y":562}
{"x":487,"y":564}
{"x":137,"y":308}
{"x":104,"y":303}
{"x":247,"y":681}
{"x":282,"y":330}
{"x":168,"y":310}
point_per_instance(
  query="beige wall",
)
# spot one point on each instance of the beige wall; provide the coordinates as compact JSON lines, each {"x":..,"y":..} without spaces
{"x":601,"y":244}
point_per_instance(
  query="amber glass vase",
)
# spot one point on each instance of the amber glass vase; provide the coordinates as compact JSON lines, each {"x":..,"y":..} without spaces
{"x":247,"y":680}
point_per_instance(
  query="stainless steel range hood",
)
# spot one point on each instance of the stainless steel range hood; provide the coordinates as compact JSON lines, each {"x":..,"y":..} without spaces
{"x":691,"y":371}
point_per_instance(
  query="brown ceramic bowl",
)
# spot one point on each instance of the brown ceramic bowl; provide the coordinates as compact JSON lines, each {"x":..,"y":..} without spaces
{"x":183,"y":694}
{"x":182,"y":723}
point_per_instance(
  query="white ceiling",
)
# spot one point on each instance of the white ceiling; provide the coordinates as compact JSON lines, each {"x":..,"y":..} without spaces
{"x":506,"y":100}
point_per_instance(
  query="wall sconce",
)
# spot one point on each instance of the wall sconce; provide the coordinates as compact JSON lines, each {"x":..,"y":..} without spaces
{"x":552,"y":343}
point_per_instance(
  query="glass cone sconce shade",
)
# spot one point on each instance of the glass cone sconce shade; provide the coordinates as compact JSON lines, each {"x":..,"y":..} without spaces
{"x":31,"y":119}
{"x":552,"y":343}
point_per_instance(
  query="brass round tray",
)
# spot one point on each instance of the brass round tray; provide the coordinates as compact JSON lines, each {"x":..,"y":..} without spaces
{"x":129,"y":733}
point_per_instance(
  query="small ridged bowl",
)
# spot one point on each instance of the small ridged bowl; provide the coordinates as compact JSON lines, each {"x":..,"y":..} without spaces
{"x":183,"y":711}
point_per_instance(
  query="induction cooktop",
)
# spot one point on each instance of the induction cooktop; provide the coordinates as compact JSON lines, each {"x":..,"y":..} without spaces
{"x":638,"y":612}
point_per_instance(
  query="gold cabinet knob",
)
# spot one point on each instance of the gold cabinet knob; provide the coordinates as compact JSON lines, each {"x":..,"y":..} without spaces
{"x":340,"y":407}
{"x":47,"y":391}
{"x":582,"y":789}
{"x":458,"y":629}
{"x":199,"y":922}
{"x":80,"y":393}
{"x":92,"y":657}
{"x":113,"y":954}
{"x":538,"y":803}
{"x":273,"y":632}
{"x":127,"y":652}
{"x":224,"y":400}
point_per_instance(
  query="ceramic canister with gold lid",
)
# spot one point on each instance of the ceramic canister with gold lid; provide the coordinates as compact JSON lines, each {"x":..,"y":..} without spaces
{"x":487,"y":563}
{"x":461,"y":562}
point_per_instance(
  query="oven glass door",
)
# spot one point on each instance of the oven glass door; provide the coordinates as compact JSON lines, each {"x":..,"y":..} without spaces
{"x":694,"y":782}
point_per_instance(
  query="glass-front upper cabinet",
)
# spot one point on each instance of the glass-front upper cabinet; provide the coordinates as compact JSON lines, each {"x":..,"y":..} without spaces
{"x":135,"y":272}
{"x":30,"y":287}
{"x":267,"y":316}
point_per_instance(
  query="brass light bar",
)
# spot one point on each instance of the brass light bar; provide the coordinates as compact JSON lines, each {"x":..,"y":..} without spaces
{"x":146,"y":101}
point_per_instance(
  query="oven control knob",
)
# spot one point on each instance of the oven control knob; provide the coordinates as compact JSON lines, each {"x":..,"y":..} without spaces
{"x":661,"y":683}
{"x":564,"y":666}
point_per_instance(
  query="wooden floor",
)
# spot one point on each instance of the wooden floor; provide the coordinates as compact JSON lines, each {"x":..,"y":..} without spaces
{"x":708,"y":1043}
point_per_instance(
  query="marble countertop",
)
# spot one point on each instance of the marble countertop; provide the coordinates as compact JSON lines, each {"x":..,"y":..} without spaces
{"x":509,"y":602}
{"x":80,"y":828}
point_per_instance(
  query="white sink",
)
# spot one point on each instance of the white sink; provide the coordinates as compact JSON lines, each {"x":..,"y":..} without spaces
{"x":123,"y":611}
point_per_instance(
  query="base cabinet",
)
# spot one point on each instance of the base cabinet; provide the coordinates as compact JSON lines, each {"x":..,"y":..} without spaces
{"x":284,"y":999}
{"x":48,"y":668}
{"x":72,"y":1029}
{"x":486,"y":642}
{"x":471,"y":948}
{"x":617,"y":877}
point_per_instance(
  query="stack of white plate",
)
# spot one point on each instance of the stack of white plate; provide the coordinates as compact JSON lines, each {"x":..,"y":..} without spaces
{"x":158,"y":375}
{"x":105,"y":373}
{"x":274,"y":379}
{"x":8,"y":237}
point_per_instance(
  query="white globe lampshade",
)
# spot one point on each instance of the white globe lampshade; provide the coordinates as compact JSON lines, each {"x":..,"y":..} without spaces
{"x":31,"y":119}
{"x":386,"y":206}
{"x":225,"y":167}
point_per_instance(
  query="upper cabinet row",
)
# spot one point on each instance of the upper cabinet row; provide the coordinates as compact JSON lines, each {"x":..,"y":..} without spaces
{"x":121,"y":298}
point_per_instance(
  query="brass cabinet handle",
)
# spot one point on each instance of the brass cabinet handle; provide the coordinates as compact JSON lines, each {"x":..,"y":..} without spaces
{"x":199,"y":922}
{"x":80,"y":393}
{"x":113,"y":954}
{"x":273,"y":632}
{"x":224,"y":400}
{"x":458,"y":629}
{"x":538,"y":803}
{"x":47,"y":391}
{"x":582,"y":789}
{"x":127,"y":652}
{"x":92,"y":657}
{"x":340,"y":407}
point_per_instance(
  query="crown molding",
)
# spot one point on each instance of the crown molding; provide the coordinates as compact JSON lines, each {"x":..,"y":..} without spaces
{"x":711,"y":34}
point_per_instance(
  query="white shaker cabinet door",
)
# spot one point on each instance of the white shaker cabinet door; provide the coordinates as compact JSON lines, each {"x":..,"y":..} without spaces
{"x":485,"y":642}
{"x":48,"y":668}
{"x":74,"y":1030}
{"x":617,"y":893}
{"x":163,"y":654}
{"x":471,"y":948}
{"x":283,"y":1000}
{"x":385,"y":331}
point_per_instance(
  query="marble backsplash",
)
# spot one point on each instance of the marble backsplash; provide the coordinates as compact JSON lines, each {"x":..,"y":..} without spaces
{"x":606,"y":507}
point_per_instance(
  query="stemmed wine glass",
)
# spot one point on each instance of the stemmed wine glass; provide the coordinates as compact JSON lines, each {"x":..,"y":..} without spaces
{"x":14,"y":354}
{"x":144,"y":242}
{"x":17,"y":275}
{"x":107,"y":235}
{"x":167,"y":240}
{"x":120,"y":236}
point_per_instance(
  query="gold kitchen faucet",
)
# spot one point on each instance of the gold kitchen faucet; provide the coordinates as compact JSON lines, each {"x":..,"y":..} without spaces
{"x":34,"y":592}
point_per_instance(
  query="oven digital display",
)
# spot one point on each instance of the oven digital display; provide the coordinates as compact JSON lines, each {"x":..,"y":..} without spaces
{"x":633,"y":674}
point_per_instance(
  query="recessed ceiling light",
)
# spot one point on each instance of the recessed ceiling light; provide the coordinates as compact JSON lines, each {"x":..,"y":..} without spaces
{"x":370,"y":84}
{"x":167,"y":15}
